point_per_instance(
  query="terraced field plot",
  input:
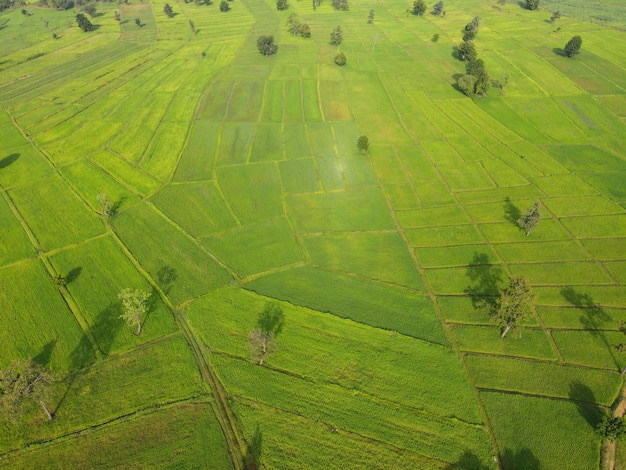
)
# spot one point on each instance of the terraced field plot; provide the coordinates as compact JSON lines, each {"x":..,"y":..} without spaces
{"x":235,"y":181}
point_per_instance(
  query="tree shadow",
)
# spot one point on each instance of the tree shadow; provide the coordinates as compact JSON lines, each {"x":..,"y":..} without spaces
{"x":73,"y":275}
{"x":592,"y":314}
{"x":455,"y":53}
{"x":512,"y":213}
{"x":106,"y":326}
{"x":585,"y":401}
{"x":166,"y":277}
{"x":252,"y":459}
{"x":271,"y":319}
{"x":467,"y":461}
{"x":558,"y":51}
{"x":6,"y":161}
{"x":117,"y":204}
{"x":43,"y":358}
{"x":523,"y":459}
{"x":485,"y":278}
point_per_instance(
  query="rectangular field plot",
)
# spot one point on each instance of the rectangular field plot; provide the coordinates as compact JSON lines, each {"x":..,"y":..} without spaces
{"x":486,"y":339}
{"x":541,"y":378}
{"x":97,"y":271}
{"x":144,"y":441}
{"x":321,"y":139}
{"x":536,"y":157}
{"x":417,"y":164}
{"x":331,"y":174}
{"x":499,"y":194}
{"x":581,"y":317}
{"x":55,"y":214}
{"x":610,"y":183}
{"x":317,"y":336}
{"x":388,"y":166}
{"x":402,"y":197}
{"x":422,"y":218}
{"x":336,"y":211}
{"x":215,"y":103}
{"x":346,"y":135}
{"x":444,"y":236}
{"x":448,"y":256}
{"x":310,"y":101}
{"x":334,"y":101}
{"x":235,"y":143}
{"x":30,"y":330}
{"x":503,"y":174}
{"x":466,"y":147}
{"x":198,"y":157}
{"x":128,"y":174}
{"x":296,"y":143}
{"x":378,"y":256}
{"x":617,"y":269}
{"x":299,"y":176}
{"x":256,"y":248}
{"x":268,"y":143}
{"x":441,"y":152}
{"x":577,"y":206}
{"x":246,"y":101}
{"x":564,"y":185}
{"x":460,"y":309}
{"x":479,"y":277}
{"x":358,"y":172}
{"x":20,"y":165}
{"x":273,"y":102}
{"x":90,"y":180}
{"x":194,"y":272}
{"x":603,"y":296}
{"x":606,"y":248}
{"x":292,"y":109}
{"x":543,"y":431}
{"x":506,"y":210}
{"x":585,"y":158}
{"x":465,"y":177}
{"x":252,"y":191}
{"x":590,"y":348}
{"x":597,"y":227}
{"x":409,"y":313}
{"x":537,"y":252}
{"x":434,"y":194}
{"x":162,"y":155}
{"x":14,"y":244}
{"x":549,"y":229}
{"x":502,"y":112}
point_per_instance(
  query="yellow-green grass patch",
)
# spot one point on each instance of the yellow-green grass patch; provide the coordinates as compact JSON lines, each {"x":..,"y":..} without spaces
{"x":15,"y":244}
{"x":161,"y":157}
{"x":215,"y":103}
{"x":387,"y":165}
{"x":296,"y":143}
{"x":542,"y":378}
{"x":606,"y":248}
{"x":128,"y":174}
{"x":417,"y":163}
{"x":321,"y":139}
{"x":499,"y":194}
{"x":198,"y":157}
{"x":96,"y":272}
{"x":346,"y":135}
{"x":536,"y":157}
{"x":292,"y":106}
{"x":616,"y":104}
{"x":310,"y":101}
{"x":205,"y":210}
{"x":441,"y":152}
{"x":581,"y":317}
{"x":577,"y":206}
{"x":402,"y":196}
{"x":586,"y":158}
{"x":38,"y":327}
{"x":331,"y":174}
{"x":336,"y":211}
{"x":358,"y":171}
{"x":434,"y":194}
{"x":407,"y":312}
{"x":423,"y":218}
{"x":190,"y":270}
{"x":590,"y":348}
{"x":617,"y":269}
{"x":502,"y":112}
{"x":469,"y":149}
{"x":503,"y":174}
{"x":610,"y":183}
{"x":466,"y":176}
{"x":268,"y":143}
{"x":378,"y":256}
{"x":460,"y":309}
{"x":478,"y":130}
{"x":486,"y":339}
{"x":252,"y":191}
{"x":235,"y":142}
{"x":448,"y":256}
{"x":546,"y":230}
{"x":144,"y":441}
{"x":500,"y":211}
{"x":256,"y":248}
{"x":481,"y":279}
{"x":561,"y":434}
{"x":299,"y":176}
{"x":473,"y":110}
{"x":273,"y":101}
{"x":603,"y":296}
{"x":444,"y":236}
{"x":538,"y":252}
{"x":246,"y":101}
{"x":597,"y":227}
{"x":55,"y":214}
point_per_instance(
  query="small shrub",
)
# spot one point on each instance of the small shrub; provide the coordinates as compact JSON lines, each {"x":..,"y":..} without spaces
{"x":340,"y":59}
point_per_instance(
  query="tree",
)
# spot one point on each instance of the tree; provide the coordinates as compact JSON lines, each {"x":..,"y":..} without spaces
{"x":363,"y":144}
{"x":341,"y":5}
{"x":611,"y":428}
{"x":138,"y":22}
{"x":305,"y":31}
{"x":438,"y":8}
{"x":105,"y":204}
{"x":573,"y":46}
{"x":84,"y":23}
{"x":511,"y":307}
{"x":435,"y":37}
{"x":555,"y":16}
{"x":531,"y":4}
{"x":266,"y":45}
{"x":224,"y":6}
{"x":476,"y":68}
{"x":117,"y":16}
{"x":466,"y":51}
{"x":282,"y":5}
{"x":167,"y":9}
{"x":467,"y":84}
{"x":261,"y":340}
{"x":134,"y":306}
{"x":419,"y":7}
{"x":90,"y":9}
{"x":530,"y":219}
{"x":192,"y":25}
{"x":294,"y":25}
{"x":472,"y":26}
{"x":24,"y":380}
{"x":340,"y":59}
{"x":336,"y":36}
{"x":370,"y":17}
{"x":501,"y":84}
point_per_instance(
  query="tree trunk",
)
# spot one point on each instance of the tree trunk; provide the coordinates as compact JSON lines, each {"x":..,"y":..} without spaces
{"x":261,"y":362}
{"x":506,"y":330}
{"x":138,"y":328}
{"x":46,"y":410}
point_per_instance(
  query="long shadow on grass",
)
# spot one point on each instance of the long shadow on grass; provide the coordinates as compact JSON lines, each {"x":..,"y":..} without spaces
{"x":6,"y":161}
{"x":468,"y":461}
{"x":511,"y":212}
{"x":593,"y":316}
{"x":43,"y":358}
{"x":523,"y":459}
{"x":485,"y":278}
{"x":252,"y":459}
{"x":165,"y":278}
{"x":73,"y":275}
{"x":585,"y":400}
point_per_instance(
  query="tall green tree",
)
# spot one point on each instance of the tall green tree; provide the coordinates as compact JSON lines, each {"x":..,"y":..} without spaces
{"x":336,"y":36}
{"x":419,"y":7}
{"x":24,"y":380}
{"x":340,"y":59}
{"x":529,"y":220}
{"x":511,"y":307}
{"x":134,"y":306}
{"x":612,"y":428}
{"x":363,"y":144}
{"x":573,"y":46}
{"x":466,"y":51}
{"x":438,"y":8}
{"x":476,"y":68}
{"x":531,"y":4}
{"x":266,"y":46}
{"x":84,"y":23}
{"x":262,"y":339}
{"x":282,"y":5}
{"x":224,"y":6}
{"x":167,"y":9}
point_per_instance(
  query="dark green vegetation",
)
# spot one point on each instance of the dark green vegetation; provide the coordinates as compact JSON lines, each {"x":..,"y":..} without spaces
{"x":169,"y":157}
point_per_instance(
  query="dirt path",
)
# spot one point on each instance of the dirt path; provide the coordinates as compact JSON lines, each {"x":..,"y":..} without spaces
{"x":607,"y":453}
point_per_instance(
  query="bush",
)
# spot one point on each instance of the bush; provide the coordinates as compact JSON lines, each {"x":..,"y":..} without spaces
{"x":266,"y":45}
{"x":281,"y":4}
{"x":573,"y":46}
{"x":84,"y":23}
{"x":224,"y":6}
{"x":340,"y":59}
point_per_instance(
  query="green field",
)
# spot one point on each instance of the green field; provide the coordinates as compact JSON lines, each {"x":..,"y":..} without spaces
{"x":235,"y":181}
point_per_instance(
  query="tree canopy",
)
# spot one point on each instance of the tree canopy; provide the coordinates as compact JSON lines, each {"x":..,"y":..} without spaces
{"x":438,"y":8}
{"x":419,"y":7}
{"x":134,"y":306}
{"x":340,"y":59}
{"x":530,"y":219}
{"x":363,"y":144}
{"x":84,"y":23}
{"x":573,"y":46}
{"x":336,"y":36}
{"x":23,"y":380}
{"x":511,"y":307}
{"x":531,"y":4}
{"x":266,"y":45}
{"x":466,"y":51}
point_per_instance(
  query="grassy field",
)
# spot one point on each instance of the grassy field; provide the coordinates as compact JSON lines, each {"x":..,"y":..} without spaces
{"x":235,"y":180}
